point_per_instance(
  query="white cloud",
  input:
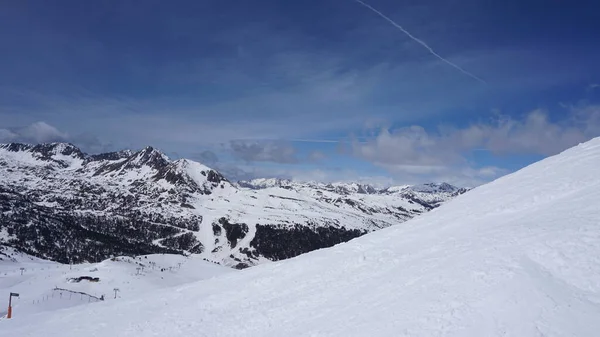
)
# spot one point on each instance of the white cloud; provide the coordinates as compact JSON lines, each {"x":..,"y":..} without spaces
{"x":411,"y":147}
{"x":586,"y":117}
{"x":7,"y":136}
{"x":536,"y":134}
{"x":42,"y":132}
{"x":459,"y":175}
{"x":38,"y":132}
{"x":413,"y":153}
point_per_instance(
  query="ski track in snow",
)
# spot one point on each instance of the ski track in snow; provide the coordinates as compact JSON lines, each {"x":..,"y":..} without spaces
{"x":516,"y":257}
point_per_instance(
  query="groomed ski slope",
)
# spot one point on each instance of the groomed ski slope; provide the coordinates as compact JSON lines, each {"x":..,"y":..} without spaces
{"x":37,"y":282}
{"x":517,"y":257}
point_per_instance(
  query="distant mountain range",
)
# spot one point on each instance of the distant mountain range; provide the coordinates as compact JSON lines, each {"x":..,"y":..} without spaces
{"x":59,"y":203}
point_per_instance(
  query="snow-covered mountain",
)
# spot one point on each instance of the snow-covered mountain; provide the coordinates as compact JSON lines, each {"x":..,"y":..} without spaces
{"x":516,"y":257}
{"x":435,"y":194}
{"x":61,"y":204}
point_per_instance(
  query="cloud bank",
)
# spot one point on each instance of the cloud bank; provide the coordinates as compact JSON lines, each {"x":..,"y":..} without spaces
{"x":410,"y":154}
{"x":38,"y":132}
{"x":444,"y":152}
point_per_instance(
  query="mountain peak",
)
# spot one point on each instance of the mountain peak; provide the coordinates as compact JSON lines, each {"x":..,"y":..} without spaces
{"x":148,"y":156}
{"x":434,"y":188}
{"x":63,"y":154}
{"x":123,"y":154}
{"x":149,"y":150}
{"x":191,"y":175}
{"x":66,"y":149}
{"x":353,"y":187}
{"x":262,"y":183}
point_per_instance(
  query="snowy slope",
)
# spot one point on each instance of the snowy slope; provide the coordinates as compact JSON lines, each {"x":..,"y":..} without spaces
{"x":48,"y":286}
{"x":516,"y":257}
{"x":12,"y":259}
{"x":88,"y":208}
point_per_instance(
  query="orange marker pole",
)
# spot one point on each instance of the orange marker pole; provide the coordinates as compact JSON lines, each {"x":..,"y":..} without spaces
{"x":10,"y":296}
{"x":9,"y":306}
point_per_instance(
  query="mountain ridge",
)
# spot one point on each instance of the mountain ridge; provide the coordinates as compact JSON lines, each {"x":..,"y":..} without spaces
{"x":142,"y":200}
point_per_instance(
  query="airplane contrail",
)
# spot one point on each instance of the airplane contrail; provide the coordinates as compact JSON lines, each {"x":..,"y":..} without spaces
{"x":421,"y":42}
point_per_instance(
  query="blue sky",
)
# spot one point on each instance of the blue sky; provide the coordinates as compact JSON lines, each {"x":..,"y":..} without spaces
{"x":311,"y":90}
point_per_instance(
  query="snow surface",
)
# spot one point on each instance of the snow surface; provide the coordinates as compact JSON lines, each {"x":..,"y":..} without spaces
{"x":516,"y":257}
{"x":132,"y":276}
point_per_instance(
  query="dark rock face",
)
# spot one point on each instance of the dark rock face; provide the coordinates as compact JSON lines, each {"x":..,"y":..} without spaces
{"x":109,"y":156}
{"x":251,"y":254}
{"x":16,"y":147}
{"x":170,"y":175}
{"x":47,"y":150}
{"x":421,"y":202}
{"x":234,"y":231}
{"x":460,"y":191}
{"x":216,"y":229}
{"x":366,"y":189}
{"x":279,"y":243}
{"x":148,"y":156}
{"x":215,"y":177}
